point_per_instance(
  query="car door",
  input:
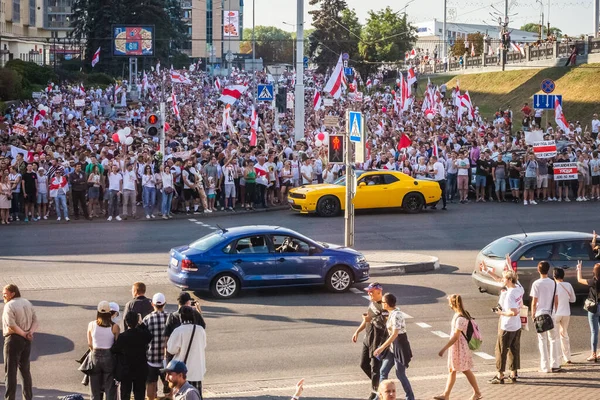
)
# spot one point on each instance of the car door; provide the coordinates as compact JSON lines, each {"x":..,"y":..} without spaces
{"x":566,"y":255}
{"x":371,"y":192}
{"x":296,"y":265}
{"x":527,"y":263}
{"x":396,"y":190}
{"x":253,"y":261}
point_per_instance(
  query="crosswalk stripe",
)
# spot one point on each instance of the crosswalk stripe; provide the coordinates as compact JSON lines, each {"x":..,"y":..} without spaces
{"x":441,"y":334}
{"x":423,"y":325}
{"x":483,"y":355}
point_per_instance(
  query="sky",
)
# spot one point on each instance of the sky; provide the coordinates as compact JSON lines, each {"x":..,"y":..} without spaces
{"x":573,"y":17}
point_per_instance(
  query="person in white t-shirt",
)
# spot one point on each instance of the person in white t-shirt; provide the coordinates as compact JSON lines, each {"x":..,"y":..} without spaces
{"x":562,"y":315}
{"x":462,"y":164}
{"x":439,"y":175}
{"x":509,"y":335}
{"x":115,"y":187}
{"x":595,"y":126}
{"x":543,"y":301}
{"x":129,"y":190}
{"x":306,"y":173}
{"x":595,"y":168}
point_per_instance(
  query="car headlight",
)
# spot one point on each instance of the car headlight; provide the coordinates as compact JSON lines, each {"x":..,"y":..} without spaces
{"x":361,"y":259}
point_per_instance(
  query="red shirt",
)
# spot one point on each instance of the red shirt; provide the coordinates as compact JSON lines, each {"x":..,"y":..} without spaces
{"x":526,"y":110}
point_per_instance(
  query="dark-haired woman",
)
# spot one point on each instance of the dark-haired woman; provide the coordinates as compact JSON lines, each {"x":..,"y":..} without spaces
{"x":101,"y":335}
{"x":593,"y":312}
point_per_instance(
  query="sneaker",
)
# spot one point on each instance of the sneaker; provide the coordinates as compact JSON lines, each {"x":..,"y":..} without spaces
{"x":187,"y":212}
{"x":165,"y":217}
{"x":58,"y":219}
{"x":533,"y":202}
{"x":109,"y":218}
{"x":45,"y":217}
{"x":17,"y":217}
{"x":549,"y":199}
{"x":147,"y":217}
{"x":196,"y":212}
{"x":554,"y":199}
{"x":559,"y":199}
{"x":585,"y":199}
{"x":568,"y":200}
{"x":152,"y":216}
{"x":67,"y":219}
{"x":208,"y":211}
{"x":579,"y":199}
{"x":118,"y":218}
{"x":525,"y":202}
{"x":26,"y":219}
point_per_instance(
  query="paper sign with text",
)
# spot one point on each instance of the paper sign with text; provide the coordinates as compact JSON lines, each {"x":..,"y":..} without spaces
{"x":545,"y":149}
{"x":565,"y":171}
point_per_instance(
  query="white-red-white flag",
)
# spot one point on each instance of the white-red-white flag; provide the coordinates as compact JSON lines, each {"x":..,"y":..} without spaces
{"x":81,"y":89}
{"x":37,"y":120}
{"x":559,"y":117}
{"x":96,"y":57}
{"x":175,"y":106}
{"x":472,"y":49}
{"x":411,"y":78}
{"x":218,"y":84}
{"x":317,"y":100}
{"x":517,"y":47}
{"x":467,"y":105}
{"x":435,"y":148}
{"x":336,"y":81}
{"x":253,"y":127}
{"x":369,"y":83}
{"x":233,"y":93}
{"x":176,"y":77}
{"x":413,"y":53}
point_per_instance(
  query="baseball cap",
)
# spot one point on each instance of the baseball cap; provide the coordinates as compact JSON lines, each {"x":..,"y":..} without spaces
{"x":175,"y":366}
{"x":159,"y":299}
{"x":104,"y":307}
{"x":113,"y":306}
{"x":374,"y":286}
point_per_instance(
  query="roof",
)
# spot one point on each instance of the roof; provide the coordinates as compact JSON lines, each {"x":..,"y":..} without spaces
{"x":551,"y":235}
{"x":258,"y":229}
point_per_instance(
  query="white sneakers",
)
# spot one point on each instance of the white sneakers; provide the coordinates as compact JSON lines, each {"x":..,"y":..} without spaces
{"x":58,"y":219}
{"x":109,"y":218}
{"x":533,"y":202}
{"x":525,"y":202}
{"x":118,"y":218}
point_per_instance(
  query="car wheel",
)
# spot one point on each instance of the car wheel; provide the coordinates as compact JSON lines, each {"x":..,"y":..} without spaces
{"x":225,"y":286}
{"x":339,"y":279}
{"x":328,"y":206}
{"x":413,"y":203}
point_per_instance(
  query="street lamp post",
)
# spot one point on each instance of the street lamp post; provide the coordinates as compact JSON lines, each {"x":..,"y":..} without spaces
{"x":299,"y":89}
{"x":293,"y":45}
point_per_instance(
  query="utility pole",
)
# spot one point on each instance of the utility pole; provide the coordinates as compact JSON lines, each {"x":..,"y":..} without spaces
{"x":350,"y":189}
{"x":504,"y":33}
{"x":596,"y":17}
{"x":254,"y":53}
{"x":444,"y":33}
{"x":299,"y":89}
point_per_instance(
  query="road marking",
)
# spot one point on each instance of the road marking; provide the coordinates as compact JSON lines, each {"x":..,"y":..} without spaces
{"x":192,"y":220}
{"x":441,"y":334}
{"x":483,"y":355}
{"x":200,"y":223}
{"x":355,"y":290}
{"x":211,"y":227}
{"x":423,"y":325}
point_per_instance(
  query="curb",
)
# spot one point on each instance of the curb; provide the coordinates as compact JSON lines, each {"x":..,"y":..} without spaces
{"x":394,"y":269}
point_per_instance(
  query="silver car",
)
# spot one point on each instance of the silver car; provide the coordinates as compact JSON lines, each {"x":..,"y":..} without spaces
{"x":562,"y":249}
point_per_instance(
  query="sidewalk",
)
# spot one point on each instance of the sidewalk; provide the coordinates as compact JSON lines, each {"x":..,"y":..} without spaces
{"x":578,"y":382}
{"x":390,"y":263}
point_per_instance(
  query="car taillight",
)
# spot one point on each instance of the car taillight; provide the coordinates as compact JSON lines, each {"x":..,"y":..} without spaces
{"x":514,"y":265}
{"x":188,"y":265}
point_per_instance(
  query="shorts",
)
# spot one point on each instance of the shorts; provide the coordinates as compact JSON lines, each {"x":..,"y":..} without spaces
{"x":42,"y":198}
{"x":563,"y":184}
{"x":30,"y":199}
{"x":581,"y":179}
{"x":480,"y":180}
{"x":154,"y":374}
{"x":189,"y":194}
{"x":463,"y":182}
{"x":94,"y":193}
{"x":229,"y":191}
{"x":515,"y":183}
{"x":287,"y":184}
{"x":542,"y":181}
{"x":596,"y":180}
{"x":530,"y":183}
{"x":211,"y":196}
{"x":538,"y":121}
{"x":500,"y":185}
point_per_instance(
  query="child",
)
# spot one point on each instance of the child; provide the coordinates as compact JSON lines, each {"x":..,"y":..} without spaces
{"x":211,"y":193}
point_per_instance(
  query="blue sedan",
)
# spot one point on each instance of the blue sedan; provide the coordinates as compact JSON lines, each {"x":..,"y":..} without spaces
{"x":246,"y":257}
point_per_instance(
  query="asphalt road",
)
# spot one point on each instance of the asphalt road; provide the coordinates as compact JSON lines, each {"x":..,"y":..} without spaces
{"x":265,"y":336}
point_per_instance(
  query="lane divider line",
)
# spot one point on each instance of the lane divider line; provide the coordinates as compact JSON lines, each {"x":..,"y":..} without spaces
{"x":199,"y":223}
{"x":423,"y":325}
{"x":192,"y":220}
{"x":483,"y":355}
{"x":441,"y":334}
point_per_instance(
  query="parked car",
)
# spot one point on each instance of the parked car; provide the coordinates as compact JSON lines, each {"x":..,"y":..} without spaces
{"x":562,"y":249}
{"x":246,"y":257}
{"x":374,"y":189}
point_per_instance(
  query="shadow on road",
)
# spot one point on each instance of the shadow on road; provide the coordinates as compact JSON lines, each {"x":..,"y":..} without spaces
{"x":45,"y":344}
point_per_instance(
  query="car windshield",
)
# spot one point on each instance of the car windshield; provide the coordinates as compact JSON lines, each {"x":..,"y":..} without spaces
{"x":341,"y":181}
{"x":501,"y":247}
{"x":208,"y":242}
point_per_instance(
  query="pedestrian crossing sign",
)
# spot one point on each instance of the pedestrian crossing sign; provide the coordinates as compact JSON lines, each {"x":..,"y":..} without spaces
{"x":355,"y":126}
{"x":265,"y":93}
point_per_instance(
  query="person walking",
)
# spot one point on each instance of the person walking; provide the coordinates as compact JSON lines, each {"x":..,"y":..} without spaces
{"x":543,"y":302}
{"x":19,"y":323}
{"x":187,"y":343}
{"x":459,"y":356}
{"x":373,"y":323}
{"x":395,"y":351}
{"x":174,"y":319}
{"x":562,"y":315}
{"x":130,"y":351}
{"x":591,"y":306}
{"x":101,"y":335}
{"x":156,"y":321}
{"x":176,"y":372}
{"x":140,"y":304}
{"x":509,"y":335}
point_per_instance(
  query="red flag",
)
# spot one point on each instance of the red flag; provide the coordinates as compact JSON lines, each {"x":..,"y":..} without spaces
{"x":559,"y":117}
{"x":404,"y":142}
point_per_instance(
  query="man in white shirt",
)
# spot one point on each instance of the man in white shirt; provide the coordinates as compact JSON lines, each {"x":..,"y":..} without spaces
{"x":306,"y":172}
{"x":129,"y":190}
{"x":543,"y":301}
{"x":115,"y":187}
{"x":595,"y":126}
{"x":562,"y":315}
{"x":439,"y":175}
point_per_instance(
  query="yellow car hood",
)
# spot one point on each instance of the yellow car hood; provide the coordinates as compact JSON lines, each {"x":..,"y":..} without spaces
{"x":312,"y":188}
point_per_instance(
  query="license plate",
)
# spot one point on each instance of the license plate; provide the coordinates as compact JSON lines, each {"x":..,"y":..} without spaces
{"x":291,"y":201}
{"x":174,"y":262}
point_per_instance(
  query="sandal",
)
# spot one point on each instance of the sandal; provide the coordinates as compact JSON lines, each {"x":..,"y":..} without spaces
{"x":442,"y":397}
{"x":511,"y":379}
{"x":592,"y":358}
{"x":496,"y":380}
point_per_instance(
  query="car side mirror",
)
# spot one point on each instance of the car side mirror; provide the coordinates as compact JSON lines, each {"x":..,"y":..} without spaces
{"x":362,"y":184}
{"x":312,"y":250}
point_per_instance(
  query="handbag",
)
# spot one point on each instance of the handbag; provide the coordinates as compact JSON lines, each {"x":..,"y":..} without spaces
{"x":591,"y":303}
{"x":168,"y":190}
{"x":544,"y":322}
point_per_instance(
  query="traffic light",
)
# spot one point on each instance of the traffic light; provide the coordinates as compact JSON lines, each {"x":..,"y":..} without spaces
{"x":336,"y":149}
{"x":153,"y":125}
{"x":281,"y":99}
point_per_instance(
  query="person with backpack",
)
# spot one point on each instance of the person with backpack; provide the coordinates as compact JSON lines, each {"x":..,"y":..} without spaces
{"x":509,"y":335}
{"x":459,"y":356}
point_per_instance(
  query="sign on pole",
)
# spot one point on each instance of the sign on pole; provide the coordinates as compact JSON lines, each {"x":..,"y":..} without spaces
{"x":548,"y":86}
{"x":265,"y":93}
{"x":355,"y":126}
{"x":565,"y":171}
{"x":545,"y":149}
{"x":546,"y":101}
{"x":331,"y":121}
{"x":305,"y":62}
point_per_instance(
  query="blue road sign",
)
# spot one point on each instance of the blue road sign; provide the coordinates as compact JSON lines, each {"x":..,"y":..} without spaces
{"x":345,"y":56}
{"x":265,"y":93}
{"x":347,"y":71}
{"x":546,"y":101}
{"x":217,"y":66}
{"x":548,"y":86}
{"x":355,"y":126}
{"x":305,"y":61}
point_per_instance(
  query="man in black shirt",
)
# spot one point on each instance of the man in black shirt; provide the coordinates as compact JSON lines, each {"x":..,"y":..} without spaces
{"x":78,"y":181}
{"x":140,"y":303}
{"x":481,"y":175}
{"x":514,"y":176}
{"x":29,"y":189}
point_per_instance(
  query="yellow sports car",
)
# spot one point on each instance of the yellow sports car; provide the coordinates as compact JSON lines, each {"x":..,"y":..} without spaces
{"x":374,"y":189}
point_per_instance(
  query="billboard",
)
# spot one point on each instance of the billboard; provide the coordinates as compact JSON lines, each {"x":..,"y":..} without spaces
{"x":133,"y":41}
{"x":231,"y":24}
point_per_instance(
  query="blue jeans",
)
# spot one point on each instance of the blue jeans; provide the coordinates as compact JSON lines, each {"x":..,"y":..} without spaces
{"x":594,"y":320}
{"x":166,"y":203}
{"x":149,"y":199}
{"x":451,"y":185}
{"x":386,"y":366}
{"x":61,"y":201}
{"x":480,"y":181}
{"x":515,"y":183}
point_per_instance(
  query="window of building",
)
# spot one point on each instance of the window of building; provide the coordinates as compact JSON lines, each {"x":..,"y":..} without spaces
{"x":32,"y":12}
{"x":209,"y":21}
{"x":16,"y":11}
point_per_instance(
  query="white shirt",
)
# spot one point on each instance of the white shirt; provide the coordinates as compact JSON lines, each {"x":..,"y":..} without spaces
{"x":440,"y":175}
{"x":463,"y":162}
{"x":512,"y":299}
{"x":542,"y":289}
{"x":178,"y":344}
{"x":566,"y":295}
{"x":595,"y":125}
{"x":306,"y":170}
{"x":114,"y":181}
{"x":129,"y":178}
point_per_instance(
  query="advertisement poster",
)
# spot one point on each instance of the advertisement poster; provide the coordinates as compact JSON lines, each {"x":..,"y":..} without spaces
{"x":231,"y":26}
{"x":133,"y":40}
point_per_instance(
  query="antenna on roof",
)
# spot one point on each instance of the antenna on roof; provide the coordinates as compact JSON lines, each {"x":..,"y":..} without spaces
{"x":518,"y":223}
{"x":222,"y":229}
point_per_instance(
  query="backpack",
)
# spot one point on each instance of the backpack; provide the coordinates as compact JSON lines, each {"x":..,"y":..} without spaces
{"x":473,"y":335}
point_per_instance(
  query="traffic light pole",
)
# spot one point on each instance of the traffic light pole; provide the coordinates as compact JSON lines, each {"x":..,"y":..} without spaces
{"x":163,"y":120}
{"x":350,"y":189}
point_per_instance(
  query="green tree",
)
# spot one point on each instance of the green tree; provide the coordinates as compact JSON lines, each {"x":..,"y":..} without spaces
{"x":476,"y":40}
{"x":458,"y":48}
{"x":273,"y":45}
{"x":534,"y":27}
{"x":386,"y":36}
{"x":336,"y":31}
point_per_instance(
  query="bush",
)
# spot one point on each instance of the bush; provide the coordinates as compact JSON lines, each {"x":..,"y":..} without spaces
{"x":10,"y":84}
{"x":99,"y":78}
{"x":31,"y":72}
